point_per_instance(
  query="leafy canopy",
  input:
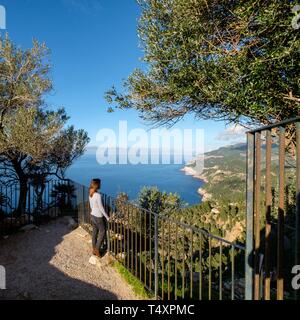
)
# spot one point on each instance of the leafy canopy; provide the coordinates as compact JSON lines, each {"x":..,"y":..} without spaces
{"x":218,"y":59}
{"x":34,"y":140}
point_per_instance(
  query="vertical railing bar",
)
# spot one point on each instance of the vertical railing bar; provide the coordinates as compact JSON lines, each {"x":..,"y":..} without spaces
{"x":156,"y":254}
{"x":268,"y":200}
{"x":257,"y":215}
{"x":169,"y":261}
{"x":145,"y":249}
{"x":249,"y":217}
{"x":6,"y":227}
{"x":115,"y":234}
{"x":183,"y":268}
{"x":125,"y":234}
{"x":11,"y":220}
{"x":83,"y":201}
{"x":128,"y":236}
{"x":2,"y":224}
{"x":297,"y":236}
{"x":163,"y":260}
{"x":136,"y":243}
{"x":117,"y":227}
{"x":209,"y":268}
{"x":108,"y":232}
{"x":232,"y":274}
{"x":200,"y":268}
{"x":280,"y":240}
{"x":141,"y":233}
{"x":191,"y":266}
{"x":108,"y":211}
{"x":220,"y":272}
{"x":150,"y":252}
{"x":111,"y":215}
{"x":2,"y":231}
{"x":132,"y":241}
{"x":29,"y":208}
{"x":176,"y":258}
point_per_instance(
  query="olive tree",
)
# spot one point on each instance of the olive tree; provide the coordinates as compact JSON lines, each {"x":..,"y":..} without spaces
{"x":234,"y":60}
{"x":35,"y":142}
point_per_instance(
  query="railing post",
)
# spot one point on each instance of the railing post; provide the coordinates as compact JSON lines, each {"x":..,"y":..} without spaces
{"x":281,"y":216}
{"x":109,"y":210}
{"x":257,"y":215}
{"x":297,"y":238}
{"x":249,"y":217}
{"x":29,"y":206}
{"x":83,"y":205}
{"x":156,"y":254}
{"x":268,"y":211}
{"x":68,"y":196}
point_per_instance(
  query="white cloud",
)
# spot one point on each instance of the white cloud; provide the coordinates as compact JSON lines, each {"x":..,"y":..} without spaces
{"x":233,"y":133}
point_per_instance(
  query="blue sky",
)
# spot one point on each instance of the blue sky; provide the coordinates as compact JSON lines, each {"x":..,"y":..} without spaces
{"x":94,"y":45}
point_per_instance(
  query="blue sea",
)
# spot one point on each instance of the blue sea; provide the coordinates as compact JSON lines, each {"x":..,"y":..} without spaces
{"x":131,"y":178}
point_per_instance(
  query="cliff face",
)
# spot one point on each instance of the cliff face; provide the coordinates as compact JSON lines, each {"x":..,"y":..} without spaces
{"x":224,"y":173}
{"x":222,"y":211}
{"x":225,"y":188}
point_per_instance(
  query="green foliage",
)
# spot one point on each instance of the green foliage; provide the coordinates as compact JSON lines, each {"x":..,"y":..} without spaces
{"x":150,"y":198}
{"x":137,"y":287}
{"x":24,"y":76}
{"x":218,"y":59}
{"x":35,"y":142}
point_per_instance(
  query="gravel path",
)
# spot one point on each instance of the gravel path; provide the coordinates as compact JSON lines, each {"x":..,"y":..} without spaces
{"x":52,"y":263}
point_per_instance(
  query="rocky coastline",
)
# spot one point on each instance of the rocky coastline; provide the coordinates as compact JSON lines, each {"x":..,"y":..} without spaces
{"x":201,"y":191}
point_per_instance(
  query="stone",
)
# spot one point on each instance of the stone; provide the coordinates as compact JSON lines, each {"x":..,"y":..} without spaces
{"x":101,"y":262}
{"x":93,"y":260}
{"x":120,"y":256}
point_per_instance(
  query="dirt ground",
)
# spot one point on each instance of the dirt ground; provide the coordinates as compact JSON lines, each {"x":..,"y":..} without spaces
{"x":52,"y":263}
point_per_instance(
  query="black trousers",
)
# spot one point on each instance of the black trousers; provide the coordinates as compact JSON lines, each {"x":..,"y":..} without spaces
{"x":98,"y":232}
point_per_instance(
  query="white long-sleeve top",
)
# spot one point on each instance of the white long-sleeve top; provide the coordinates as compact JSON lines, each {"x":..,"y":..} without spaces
{"x":97,"y":206}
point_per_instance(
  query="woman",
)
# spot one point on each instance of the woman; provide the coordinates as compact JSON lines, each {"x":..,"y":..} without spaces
{"x":97,"y":216}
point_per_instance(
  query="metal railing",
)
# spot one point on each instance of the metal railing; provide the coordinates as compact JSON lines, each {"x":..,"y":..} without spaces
{"x":273,"y":210}
{"x":171,"y":259}
{"x":45,"y":201}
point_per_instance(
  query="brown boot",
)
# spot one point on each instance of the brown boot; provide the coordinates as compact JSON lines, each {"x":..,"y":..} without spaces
{"x":97,"y":253}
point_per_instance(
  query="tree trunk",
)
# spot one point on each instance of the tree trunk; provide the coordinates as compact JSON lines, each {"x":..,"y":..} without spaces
{"x":23,"y":184}
{"x":21,"y":210}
